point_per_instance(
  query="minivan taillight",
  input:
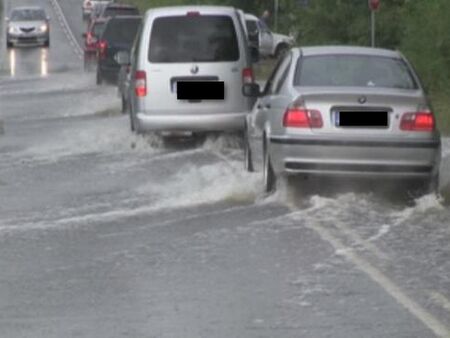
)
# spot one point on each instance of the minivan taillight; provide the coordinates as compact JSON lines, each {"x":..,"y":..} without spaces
{"x":302,"y":118}
{"x":419,"y":121}
{"x":140,"y":85}
{"x":247,"y":76}
{"x":102,"y":47}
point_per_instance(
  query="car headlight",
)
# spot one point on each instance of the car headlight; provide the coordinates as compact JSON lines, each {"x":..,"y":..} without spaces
{"x":12,"y":30}
{"x":43,"y":28}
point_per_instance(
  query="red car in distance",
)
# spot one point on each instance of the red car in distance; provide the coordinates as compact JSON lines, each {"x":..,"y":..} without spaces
{"x":91,"y":39}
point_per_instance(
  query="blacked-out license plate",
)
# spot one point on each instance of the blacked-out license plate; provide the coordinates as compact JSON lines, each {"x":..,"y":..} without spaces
{"x":362,"y":119}
{"x":200,"y":90}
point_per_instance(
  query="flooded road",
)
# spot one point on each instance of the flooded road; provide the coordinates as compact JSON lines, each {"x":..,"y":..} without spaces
{"x":104,"y":233}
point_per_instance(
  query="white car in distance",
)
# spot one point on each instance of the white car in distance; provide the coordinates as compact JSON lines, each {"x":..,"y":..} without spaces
{"x":270,"y":44}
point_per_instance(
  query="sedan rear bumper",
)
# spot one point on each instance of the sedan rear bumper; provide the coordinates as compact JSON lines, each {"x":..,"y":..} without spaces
{"x":398,"y":158}
{"x":191,"y":122}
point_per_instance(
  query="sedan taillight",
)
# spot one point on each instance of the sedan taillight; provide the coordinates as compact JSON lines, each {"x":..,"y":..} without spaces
{"x":140,"y":85}
{"x":302,"y":118}
{"x":419,"y":121}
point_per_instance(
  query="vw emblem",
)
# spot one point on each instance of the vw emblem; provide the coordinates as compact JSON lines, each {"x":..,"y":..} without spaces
{"x":194,"y":69}
{"x":362,"y":99}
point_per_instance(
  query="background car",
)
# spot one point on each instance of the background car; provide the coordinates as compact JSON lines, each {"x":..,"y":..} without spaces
{"x":343,"y":112}
{"x":115,"y":9}
{"x":89,"y":6}
{"x":270,"y":44}
{"x":96,"y":11}
{"x":86,"y":8}
{"x":118,"y":35}
{"x":27,"y":25}
{"x":188,"y":69}
{"x":91,"y":41}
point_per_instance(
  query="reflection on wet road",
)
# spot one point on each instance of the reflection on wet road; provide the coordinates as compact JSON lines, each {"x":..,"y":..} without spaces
{"x":105,"y":233}
{"x":28,"y":61}
{"x":35,"y":60}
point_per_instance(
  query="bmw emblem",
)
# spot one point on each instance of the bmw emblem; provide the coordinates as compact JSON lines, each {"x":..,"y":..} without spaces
{"x":362,"y":99}
{"x":194,"y":69}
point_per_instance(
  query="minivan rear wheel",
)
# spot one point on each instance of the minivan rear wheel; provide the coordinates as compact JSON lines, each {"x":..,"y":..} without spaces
{"x":132,"y":122}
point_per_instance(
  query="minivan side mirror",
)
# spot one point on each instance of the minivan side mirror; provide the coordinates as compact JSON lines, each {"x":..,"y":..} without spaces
{"x":122,"y":58}
{"x":254,"y":54}
{"x":251,"y":90}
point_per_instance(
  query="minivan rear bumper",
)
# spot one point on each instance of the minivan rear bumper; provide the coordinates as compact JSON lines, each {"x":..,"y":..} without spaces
{"x":191,"y":122}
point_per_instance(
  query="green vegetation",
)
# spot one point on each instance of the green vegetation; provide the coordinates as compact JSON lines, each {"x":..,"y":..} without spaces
{"x":419,"y":28}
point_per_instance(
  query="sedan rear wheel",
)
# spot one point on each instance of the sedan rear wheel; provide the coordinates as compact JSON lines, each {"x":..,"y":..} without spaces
{"x":132,"y":122}
{"x":124,"y":105}
{"x":269,"y":179}
{"x":248,"y":162}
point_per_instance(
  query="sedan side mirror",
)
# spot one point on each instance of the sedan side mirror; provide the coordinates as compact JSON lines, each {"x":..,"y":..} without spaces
{"x":122,"y":58}
{"x":251,"y":90}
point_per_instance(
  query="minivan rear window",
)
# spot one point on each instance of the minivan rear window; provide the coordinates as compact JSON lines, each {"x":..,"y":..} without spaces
{"x":193,"y":38}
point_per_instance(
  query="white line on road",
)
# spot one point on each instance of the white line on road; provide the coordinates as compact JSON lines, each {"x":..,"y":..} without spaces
{"x":359,"y":241}
{"x":439,"y":329}
{"x":66,"y":28}
{"x":440,"y":300}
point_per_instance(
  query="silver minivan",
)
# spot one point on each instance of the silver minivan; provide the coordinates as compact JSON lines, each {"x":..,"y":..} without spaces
{"x":187,"y":69}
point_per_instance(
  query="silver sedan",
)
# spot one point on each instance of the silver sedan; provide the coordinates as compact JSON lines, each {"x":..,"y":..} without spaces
{"x":343,"y":112}
{"x":27,"y":25}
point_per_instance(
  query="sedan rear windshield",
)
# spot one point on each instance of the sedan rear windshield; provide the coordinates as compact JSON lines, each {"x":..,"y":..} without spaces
{"x":193,"y":38}
{"x":354,"y":71}
{"x":121,"y":30}
{"x":27,"y":15}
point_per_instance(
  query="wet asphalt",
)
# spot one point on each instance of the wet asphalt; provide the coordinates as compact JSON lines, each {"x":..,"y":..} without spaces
{"x":107,"y":234}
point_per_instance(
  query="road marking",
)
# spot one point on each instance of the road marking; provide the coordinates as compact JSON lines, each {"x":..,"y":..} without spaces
{"x":66,"y":28}
{"x":359,"y":241}
{"x":439,"y":329}
{"x":440,"y":299}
